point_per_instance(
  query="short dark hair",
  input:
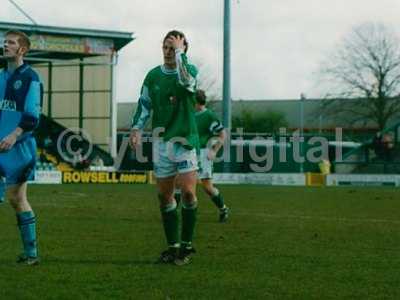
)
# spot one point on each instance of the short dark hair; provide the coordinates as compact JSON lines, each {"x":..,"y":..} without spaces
{"x":23,"y":39}
{"x":201,"y":97}
{"x":177,"y":33}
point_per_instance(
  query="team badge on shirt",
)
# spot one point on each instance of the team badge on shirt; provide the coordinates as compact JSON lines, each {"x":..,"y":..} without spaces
{"x":172,"y":99}
{"x":17,"y":84}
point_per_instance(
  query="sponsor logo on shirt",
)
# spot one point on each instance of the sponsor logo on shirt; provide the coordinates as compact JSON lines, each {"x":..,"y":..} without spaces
{"x":8,"y":105}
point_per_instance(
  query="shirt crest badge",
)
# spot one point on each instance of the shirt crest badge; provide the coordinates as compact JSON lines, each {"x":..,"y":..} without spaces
{"x":17,"y":84}
{"x":172,"y":99}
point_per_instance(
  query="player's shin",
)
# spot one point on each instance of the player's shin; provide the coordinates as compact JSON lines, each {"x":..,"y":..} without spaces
{"x":217,"y":199}
{"x":178,"y":196}
{"x":170,"y":222}
{"x":189,"y":216}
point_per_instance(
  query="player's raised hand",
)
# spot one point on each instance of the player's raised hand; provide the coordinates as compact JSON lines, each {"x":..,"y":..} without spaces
{"x":135,"y":138}
{"x":177,"y":42}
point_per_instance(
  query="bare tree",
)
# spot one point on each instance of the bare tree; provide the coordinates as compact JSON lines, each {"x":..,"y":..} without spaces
{"x":363,"y":75}
{"x":207,"y":81}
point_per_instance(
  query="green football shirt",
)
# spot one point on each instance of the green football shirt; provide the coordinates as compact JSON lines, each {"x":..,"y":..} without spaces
{"x":170,"y":96}
{"x":208,"y":125}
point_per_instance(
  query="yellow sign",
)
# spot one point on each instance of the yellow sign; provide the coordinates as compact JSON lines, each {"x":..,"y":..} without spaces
{"x":103,"y":177}
{"x":71,"y":44}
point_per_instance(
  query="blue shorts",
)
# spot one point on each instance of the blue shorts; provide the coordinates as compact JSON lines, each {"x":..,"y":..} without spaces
{"x":18,"y":164}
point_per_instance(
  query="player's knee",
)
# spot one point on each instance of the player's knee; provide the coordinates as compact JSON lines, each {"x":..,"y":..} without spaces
{"x":16,"y":197}
{"x":11,"y":195}
{"x":208,"y":188}
{"x":190,"y":204}
{"x":12,"y":199}
{"x":165,"y":199}
{"x":13,"y":203}
{"x":188,"y":196}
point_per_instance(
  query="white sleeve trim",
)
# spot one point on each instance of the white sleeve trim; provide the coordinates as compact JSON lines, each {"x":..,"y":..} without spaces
{"x":144,"y":105}
{"x":184,"y":77}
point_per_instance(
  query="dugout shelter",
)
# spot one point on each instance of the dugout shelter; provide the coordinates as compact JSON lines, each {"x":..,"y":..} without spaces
{"x":77,"y":67}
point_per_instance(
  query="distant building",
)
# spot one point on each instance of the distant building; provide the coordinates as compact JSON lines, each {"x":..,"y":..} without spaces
{"x":313,"y":120}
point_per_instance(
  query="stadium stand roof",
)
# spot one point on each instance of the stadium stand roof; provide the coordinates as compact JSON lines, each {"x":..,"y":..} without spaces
{"x":53,"y":42}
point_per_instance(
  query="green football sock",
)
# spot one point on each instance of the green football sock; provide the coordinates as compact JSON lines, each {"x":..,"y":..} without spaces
{"x":170,"y":221}
{"x":218,"y":199}
{"x":189,"y":216}
{"x":178,"y":196}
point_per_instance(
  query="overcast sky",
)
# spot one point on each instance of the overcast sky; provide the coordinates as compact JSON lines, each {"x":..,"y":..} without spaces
{"x":276,"y":44}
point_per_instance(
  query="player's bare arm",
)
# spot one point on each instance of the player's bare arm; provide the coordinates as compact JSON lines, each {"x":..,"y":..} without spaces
{"x":9,"y":141}
{"x":219,"y":141}
{"x":135,"y":138}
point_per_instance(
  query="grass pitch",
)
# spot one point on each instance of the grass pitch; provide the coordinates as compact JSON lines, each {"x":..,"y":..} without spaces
{"x":100,"y":242}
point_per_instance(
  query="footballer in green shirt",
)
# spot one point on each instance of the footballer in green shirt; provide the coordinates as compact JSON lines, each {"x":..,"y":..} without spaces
{"x":212,"y":136}
{"x":168,"y":92}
